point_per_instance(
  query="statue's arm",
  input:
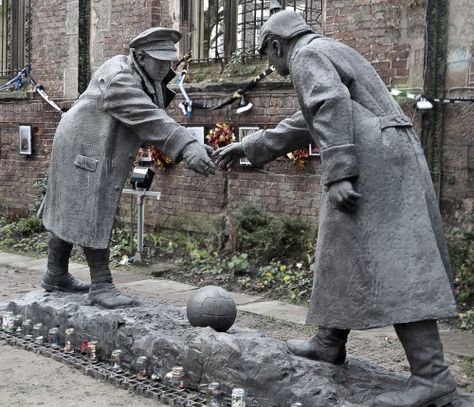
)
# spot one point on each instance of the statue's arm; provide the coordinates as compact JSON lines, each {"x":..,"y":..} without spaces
{"x":328,"y":100}
{"x":126,"y":101}
{"x":265,"y":145}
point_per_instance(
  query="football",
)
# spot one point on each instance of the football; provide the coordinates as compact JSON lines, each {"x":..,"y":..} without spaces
{"x":212,"y":306}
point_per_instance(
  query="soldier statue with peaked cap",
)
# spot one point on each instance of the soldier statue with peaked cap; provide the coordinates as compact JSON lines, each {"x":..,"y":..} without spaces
{"x":381,"y":256}
{"x":93,"y":150}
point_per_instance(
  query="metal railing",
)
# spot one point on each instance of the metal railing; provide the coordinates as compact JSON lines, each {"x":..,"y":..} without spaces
{"x":15,"y":36}
{"x":225,"y":29}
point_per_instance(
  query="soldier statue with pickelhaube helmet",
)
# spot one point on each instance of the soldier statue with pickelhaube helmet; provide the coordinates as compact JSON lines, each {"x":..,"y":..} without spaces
{"x":381,"y":255}
{"x":93,"y":150}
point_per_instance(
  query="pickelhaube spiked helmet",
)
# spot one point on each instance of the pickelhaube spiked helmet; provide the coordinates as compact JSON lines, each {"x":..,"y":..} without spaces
{"x":285,"y":24}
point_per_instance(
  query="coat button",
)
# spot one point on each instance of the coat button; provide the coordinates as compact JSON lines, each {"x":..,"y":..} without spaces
{"x":130,"y":156}
{"x":117,"y":188}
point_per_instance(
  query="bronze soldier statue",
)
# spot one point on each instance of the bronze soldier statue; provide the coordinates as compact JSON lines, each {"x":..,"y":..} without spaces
{"x":93,"y":150}
{"x":381,"y":256}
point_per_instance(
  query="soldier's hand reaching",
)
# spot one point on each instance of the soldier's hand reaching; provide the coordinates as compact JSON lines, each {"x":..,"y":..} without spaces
{"x":229,"y":155}
{"x":197,"y":157}
{"x":342,"y":195}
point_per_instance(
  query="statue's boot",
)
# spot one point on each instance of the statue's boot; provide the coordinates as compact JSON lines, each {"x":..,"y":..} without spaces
{"x":57,"y":277}
{"x":430,"y":383}
{"x":328,"y":345}
{"x":102,"y":291}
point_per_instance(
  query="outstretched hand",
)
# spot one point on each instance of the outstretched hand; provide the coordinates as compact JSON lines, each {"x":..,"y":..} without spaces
{"x":197,"y":157}
{"x":228,"y":156}
{"x":343,"y":197}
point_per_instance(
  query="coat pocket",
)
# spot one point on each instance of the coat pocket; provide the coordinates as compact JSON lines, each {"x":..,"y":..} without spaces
{"x":86,"y":163}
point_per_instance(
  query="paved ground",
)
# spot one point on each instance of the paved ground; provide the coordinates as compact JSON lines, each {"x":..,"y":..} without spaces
{"x":22,"y":374}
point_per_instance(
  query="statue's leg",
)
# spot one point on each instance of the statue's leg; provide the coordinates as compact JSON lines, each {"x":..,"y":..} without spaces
{"x":103,"y":292}
{"x":430,"y":383}
{"x":57,"y":277}
{"x":328,"y":345}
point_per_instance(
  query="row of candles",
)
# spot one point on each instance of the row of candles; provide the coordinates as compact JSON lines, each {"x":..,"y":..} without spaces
{"x":35,"y":332}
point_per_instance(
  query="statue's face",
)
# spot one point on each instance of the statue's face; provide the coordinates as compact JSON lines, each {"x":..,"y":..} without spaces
{"x":277,"y":55}
{"x":156,"y":69}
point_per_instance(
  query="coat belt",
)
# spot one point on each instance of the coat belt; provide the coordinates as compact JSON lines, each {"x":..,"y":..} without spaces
{"x":395,"y":120}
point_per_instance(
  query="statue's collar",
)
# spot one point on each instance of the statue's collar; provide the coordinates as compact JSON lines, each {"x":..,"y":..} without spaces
{"x":148,"y":84}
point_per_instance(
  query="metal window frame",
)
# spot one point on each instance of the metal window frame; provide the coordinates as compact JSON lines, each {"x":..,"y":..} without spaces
{"x":242,"y":20}
{"x":15,"y":36}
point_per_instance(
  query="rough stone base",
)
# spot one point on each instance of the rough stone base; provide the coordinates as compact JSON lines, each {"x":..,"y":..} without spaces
{"x":239,"y":358}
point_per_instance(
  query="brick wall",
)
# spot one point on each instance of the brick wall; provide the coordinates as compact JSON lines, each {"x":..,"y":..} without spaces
{"x":389,"y":34}
{"x":192,"y":202}
{"x":21,"y":175}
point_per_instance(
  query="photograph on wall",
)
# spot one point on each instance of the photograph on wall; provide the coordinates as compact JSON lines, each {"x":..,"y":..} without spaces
{"x":244,"y":132}
{"x":24,"y":139}
{"x":313,"y":150}
{"x":197,"y":133}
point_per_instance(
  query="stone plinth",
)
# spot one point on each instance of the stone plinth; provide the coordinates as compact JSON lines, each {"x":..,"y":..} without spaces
{"x":239,"y":358}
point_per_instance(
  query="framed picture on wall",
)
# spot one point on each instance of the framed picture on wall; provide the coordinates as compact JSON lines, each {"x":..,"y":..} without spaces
{"x":24,"y":139}
{"x":313,"y":150}
{"x":197,"y":133}
{"x":244,"y":131}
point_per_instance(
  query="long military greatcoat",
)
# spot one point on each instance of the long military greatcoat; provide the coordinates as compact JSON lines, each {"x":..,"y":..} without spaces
{"x":94,"y":148}
{"x":386,"y":263}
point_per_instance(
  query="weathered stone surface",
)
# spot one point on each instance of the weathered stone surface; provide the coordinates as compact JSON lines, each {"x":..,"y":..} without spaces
{"x":241,"y":357}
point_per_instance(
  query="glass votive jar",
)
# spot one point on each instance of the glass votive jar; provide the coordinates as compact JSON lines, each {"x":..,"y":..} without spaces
{"x":39,"y":340}
{"x":27,"y":328}
{"x":141,"y":367}
{"x":8,"y":321}
{"x":53,"y":337}
{"x":213,"y":395}
{"x":92,"y":350}
{"x":17,"y":321}
{"x":177,"y":378}
{"x":116,"y":359}
{"x":68,"y":340}
{"x":37,"y":330}
{"x":238,"y":397}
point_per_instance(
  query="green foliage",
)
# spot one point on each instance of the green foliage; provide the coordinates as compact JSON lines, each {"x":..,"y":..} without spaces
{"x":120,"y":243}
{"x":461,"y":251}
{"x":467,"y":320}
{"x":273,"y":237}
{"x":467,"y":367}
{"x":291,"y":281}
{"x":27,"y":235}
{"x":24,"y":227}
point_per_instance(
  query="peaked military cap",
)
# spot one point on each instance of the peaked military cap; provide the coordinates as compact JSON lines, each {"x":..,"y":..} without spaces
{"x":157,"y":42}
{"x":285,"y":24}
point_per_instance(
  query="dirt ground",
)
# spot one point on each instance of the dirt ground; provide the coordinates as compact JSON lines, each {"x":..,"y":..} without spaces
{"x":27,"y":379}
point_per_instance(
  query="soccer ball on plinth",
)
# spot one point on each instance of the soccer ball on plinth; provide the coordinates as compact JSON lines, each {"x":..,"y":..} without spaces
{"x":212,"y":306}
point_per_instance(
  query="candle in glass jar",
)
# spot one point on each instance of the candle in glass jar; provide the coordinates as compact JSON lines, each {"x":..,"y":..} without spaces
{"x":27,"y":327}
{"x":141,"y":367}
{"x":92,"y":350}
{"x":116,"y":359}
{"x":53,"y":337}
{"x":69,"y":347}
{"x":238,"y":397}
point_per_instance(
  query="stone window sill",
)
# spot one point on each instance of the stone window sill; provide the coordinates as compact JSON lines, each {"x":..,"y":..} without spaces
{"x":18,"y":95}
